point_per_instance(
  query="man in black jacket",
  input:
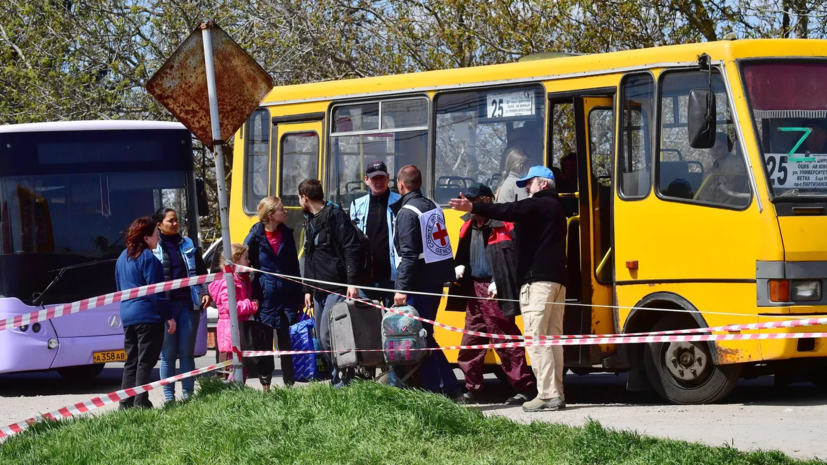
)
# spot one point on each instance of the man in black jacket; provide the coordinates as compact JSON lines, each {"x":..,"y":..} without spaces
{"x":423,"y":266}
{"x":331,"y":253}
{"x":487,"y":266}
{"x":540,"y":229}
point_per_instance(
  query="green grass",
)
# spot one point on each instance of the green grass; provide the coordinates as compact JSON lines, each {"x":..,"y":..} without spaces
{"x":365,"y":424}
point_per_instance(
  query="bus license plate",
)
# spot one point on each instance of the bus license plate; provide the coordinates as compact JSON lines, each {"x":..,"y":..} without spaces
{"x":109,"y":356}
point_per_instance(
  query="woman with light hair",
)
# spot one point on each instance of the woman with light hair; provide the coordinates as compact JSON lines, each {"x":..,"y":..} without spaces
{"x":515,"y":165}
{"x":272,"y":249}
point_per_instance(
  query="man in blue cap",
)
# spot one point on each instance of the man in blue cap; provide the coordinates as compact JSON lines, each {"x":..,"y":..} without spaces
{"x":486,"y":260}
{"x":540,"y":230}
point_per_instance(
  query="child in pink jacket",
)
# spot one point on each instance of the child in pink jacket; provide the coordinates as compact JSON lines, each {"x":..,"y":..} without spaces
{"x":246,"y":306}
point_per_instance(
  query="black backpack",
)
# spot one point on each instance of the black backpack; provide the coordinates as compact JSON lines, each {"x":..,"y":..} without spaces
{"x":365,"y":254}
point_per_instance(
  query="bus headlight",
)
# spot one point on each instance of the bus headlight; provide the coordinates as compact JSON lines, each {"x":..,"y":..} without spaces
{"x":52,"y":344}
{"x":805,"y":291}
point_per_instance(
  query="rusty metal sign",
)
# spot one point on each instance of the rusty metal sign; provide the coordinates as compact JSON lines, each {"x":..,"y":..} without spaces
{"x":181,"y":84}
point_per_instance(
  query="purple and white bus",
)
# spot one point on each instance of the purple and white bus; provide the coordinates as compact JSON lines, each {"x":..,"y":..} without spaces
{"x":68,"y":192}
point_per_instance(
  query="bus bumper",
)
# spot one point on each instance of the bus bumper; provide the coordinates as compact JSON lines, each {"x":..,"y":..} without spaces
{"x":73,"y":351}
{"x":26,"y":350}
{"x":783,"y":349}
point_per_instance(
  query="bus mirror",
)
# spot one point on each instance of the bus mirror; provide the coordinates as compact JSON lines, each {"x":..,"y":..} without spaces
{"x":701,"y":118}
{"x":201,"y":196}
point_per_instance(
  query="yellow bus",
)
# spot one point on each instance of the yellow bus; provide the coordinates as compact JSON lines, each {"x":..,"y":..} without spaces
{"x":677,"y":218}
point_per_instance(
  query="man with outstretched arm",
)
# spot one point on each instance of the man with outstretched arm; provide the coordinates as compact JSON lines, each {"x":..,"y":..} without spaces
{"x":486,"y":266}
{"x":540,"y":230}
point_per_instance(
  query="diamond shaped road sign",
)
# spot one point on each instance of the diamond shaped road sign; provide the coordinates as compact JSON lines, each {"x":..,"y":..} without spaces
{"x":181,"y":84}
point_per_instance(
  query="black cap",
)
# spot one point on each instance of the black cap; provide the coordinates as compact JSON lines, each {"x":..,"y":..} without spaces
{"x":478,"y":190}
{"x":376,"y":168}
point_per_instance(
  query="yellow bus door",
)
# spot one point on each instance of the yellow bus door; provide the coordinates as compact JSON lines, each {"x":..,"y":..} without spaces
{"x":580,"y":126}
{"x":295,"y":157}
{"x":598,"y":113}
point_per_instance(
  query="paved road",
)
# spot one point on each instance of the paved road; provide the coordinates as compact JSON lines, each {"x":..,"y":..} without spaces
{"x":754,"y":416}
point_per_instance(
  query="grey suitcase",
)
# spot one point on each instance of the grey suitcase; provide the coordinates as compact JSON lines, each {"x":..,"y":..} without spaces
{"x":354,"y":325}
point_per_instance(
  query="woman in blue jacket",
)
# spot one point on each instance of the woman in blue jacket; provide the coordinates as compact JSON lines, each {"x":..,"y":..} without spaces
{"x":177,"y":255}
{"x":273,"y":249}
{"x":143,"y":318}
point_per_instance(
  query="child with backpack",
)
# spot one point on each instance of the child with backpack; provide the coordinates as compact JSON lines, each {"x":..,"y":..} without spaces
{"x":246,"y":306}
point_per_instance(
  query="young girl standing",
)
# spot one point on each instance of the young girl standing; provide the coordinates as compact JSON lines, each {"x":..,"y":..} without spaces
{"x":246,"y":306}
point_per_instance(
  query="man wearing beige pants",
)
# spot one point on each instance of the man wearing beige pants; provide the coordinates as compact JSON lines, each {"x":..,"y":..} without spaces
{"x":542,"y":304}
{"x":540,"y":232}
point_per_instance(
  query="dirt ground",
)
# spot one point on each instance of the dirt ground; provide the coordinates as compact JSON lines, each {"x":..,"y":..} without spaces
{"x":755,"y":416}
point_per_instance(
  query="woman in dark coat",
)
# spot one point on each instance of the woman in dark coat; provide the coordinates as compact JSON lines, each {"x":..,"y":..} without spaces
{"x":273,"y":249}
{"x":143,"y":317}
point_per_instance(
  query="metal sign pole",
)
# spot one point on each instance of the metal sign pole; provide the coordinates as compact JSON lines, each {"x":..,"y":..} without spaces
{"x":222,"y":198}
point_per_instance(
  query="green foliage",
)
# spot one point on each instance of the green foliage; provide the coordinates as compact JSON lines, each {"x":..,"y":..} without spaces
{"x":367,"y":423}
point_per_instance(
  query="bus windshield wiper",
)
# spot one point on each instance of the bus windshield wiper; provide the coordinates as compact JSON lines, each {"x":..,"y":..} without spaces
{"x":38,"y":296}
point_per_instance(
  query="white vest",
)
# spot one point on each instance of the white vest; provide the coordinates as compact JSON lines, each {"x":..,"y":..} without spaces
{"x":436,"y":245}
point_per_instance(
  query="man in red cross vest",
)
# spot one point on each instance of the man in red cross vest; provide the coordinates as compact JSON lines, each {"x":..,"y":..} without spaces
{"x":414,"y":272}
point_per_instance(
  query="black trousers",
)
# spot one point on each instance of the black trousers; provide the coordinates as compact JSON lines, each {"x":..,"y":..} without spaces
{"x":283,"y":342}
{"x":142,"y":343}
{"x":258,"y":336}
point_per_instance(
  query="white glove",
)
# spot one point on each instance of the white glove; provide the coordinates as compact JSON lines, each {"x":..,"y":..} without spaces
{"x":459,"y":270}
{"x":492,"y":290}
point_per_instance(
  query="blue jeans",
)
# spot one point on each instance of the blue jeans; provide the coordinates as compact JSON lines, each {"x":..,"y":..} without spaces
{"x":385,"y":298}
{"x":180,"y":345}
{"x":436,"y":373}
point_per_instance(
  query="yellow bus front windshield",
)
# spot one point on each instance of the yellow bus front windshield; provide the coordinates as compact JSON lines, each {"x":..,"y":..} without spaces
{"x":788,"y":102}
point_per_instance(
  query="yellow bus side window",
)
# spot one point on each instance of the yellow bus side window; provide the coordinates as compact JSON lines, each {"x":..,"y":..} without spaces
{"x":256,"y":158}
{"x":634,"y":160}
{"x":392,"y":131}
{"x":476,"y":130}
{"x":299,"y":161}
{"x":717,"y":175}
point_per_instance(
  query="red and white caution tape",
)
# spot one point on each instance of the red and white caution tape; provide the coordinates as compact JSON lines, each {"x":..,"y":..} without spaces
{"x":519,"y":337}
{"x":93,"y":302}
{"x":98,"y":402}
{"x":458,"y":296}
{"x":573,"y":342}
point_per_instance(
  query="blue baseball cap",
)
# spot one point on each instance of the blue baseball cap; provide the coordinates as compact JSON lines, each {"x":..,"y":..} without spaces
{"x":535,"y":172}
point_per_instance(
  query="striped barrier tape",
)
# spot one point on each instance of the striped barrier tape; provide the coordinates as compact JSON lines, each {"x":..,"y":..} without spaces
{"x":114,"y":297}
{"x":572,"y":342}
{"x":128,"y":294}
{"x":568,"y":304}
{"x":98,"y":402}
{"x":518,"y":337}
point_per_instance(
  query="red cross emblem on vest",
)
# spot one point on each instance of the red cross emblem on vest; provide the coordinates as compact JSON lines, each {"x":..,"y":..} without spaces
{"x":440,"y":235}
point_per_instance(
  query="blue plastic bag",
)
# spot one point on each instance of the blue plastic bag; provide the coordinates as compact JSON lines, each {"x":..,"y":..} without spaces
{"x":306,"y":367}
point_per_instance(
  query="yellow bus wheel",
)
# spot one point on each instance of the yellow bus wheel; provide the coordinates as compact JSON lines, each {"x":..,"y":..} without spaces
{"x":684,"y":372}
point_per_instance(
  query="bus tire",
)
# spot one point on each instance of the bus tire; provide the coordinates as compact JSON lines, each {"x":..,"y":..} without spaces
{"x":684,"y":372}
{"x":81,"y":373}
